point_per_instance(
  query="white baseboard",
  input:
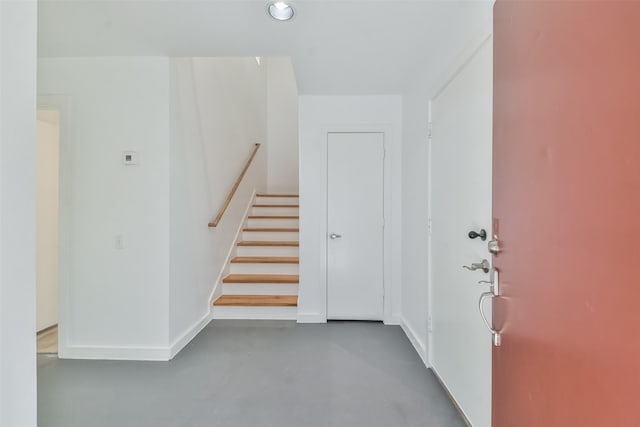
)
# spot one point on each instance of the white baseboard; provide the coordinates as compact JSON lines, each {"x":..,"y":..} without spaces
{"x":393,"y":320}
{"x":188,"y":335}
{"x":417,"y":343}
{"x":453,"y":399}
{"x":114,"y":353}
{"x":311,"y":318}
{"x":162,"y":354}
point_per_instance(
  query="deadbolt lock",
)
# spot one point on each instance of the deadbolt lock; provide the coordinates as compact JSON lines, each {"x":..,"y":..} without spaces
{"x":493,"y":246}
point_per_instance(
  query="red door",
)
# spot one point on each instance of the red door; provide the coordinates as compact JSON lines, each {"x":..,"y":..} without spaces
{"x":567,"y":213}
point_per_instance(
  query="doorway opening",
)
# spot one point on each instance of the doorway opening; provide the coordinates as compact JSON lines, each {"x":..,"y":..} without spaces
{"x":47,"y":229}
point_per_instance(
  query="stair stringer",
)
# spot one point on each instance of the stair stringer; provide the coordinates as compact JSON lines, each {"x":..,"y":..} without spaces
{"x":217,"y":287}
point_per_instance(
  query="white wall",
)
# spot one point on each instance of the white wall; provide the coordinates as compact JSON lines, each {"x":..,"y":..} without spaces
{"x":231,"y":99}
{"x":282,"y":117}
{"x":18,"y":21}
{"x":193,"y":123}
{"x":415,"y":196}
{"x":218,"y":113}
{"x":317,"y":116}
{"x":114,"y":302}
{"x":47,"y":166}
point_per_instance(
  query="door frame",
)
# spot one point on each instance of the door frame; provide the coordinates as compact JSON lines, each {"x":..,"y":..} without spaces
{"x":387,"y":133}
{"x":65,"y":217}
{"x":484,"y":36}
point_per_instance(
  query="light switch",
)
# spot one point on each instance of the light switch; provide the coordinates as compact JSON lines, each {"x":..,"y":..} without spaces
{"x":129,"y":158}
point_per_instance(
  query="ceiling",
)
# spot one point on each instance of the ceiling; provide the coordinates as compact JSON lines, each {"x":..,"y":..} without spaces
{"x":337,"y":47}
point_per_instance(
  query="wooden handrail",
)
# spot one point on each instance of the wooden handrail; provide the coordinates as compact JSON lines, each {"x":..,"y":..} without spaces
{"x":215,"y":222}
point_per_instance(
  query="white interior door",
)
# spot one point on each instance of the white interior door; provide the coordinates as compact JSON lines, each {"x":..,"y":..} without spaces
{"x":355,"y":224}
{"x":460,"y":203}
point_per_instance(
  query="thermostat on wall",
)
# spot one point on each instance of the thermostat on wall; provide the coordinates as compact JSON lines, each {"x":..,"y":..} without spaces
{"x":129,"y":158}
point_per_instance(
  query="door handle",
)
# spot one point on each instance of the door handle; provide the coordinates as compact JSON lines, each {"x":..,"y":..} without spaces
{"x":483,"y":265}
{"x":494,"y":291}
{"x":495,"y":335}
{"x":334,"y":236}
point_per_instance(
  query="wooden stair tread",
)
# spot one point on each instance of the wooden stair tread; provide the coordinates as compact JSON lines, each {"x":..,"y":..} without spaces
{"x":277,"y":195}
{"x":257,"y":300}
{"x":267,"y":243}
{"x":275,"y":206}
{"x":281,"y":230}
{"x":265,"y":260}
{"x":273,"y":217}
{"x":261,"y":278}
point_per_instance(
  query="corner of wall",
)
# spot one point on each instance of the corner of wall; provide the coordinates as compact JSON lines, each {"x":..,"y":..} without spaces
{"x":311,"y":318}
{"x":282,"y":126}
{"x":188,"y":335}
{"x":18,"y":394}
{"x":393,"y":319}
{"x":210,"y":143}
{"x":418,"y":343}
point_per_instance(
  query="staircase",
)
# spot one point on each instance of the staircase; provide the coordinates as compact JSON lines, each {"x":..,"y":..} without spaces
{"x":263,"y":276}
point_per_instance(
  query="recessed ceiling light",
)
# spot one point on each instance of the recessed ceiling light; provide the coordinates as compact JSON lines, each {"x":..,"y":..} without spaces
{"x":280,"y":10}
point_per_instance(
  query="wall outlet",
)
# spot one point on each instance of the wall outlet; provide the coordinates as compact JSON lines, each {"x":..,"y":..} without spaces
{"x":129,"y":158}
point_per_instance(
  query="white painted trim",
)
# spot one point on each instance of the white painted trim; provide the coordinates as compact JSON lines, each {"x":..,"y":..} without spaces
{"x":217,"y":288}
{"x":189,"y":335}
{"x":391,"y":289}
{"x":450,"y":395}
{"x":417,"y":343}
{"x":312,"y":317}
{"x":62,"y":103}
{"x":138,"y":353}
{"x":117,"y":353}
{"x":393,"y":320}
{"x":429,"y":243}
{"x":255,"y":313}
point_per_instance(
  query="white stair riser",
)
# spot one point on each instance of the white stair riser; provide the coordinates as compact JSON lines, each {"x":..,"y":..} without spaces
{"x":276,"y":200}
{"x":272,"y":223}
{"x":257,"y":313}
{"x":242,"y":268}
{"x":274,"y":211}
{"x":278,"y":236}
{"x":259,"y":289}
{"x":267,"y":251}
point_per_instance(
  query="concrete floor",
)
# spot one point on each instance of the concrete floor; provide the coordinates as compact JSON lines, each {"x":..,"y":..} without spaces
{"x":240,"y":373}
